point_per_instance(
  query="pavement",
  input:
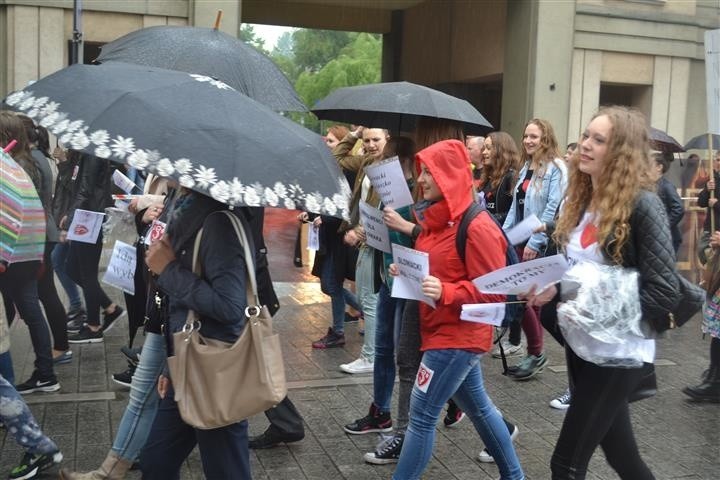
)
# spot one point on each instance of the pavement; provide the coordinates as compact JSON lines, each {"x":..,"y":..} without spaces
{"x":678,"y":439}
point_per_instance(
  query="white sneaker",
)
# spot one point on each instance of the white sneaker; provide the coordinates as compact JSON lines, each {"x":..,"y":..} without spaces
{"x":485,"y":457}
{"x":562,"y":402}
{"x":510,"y":349}
{"x":361,"y":365}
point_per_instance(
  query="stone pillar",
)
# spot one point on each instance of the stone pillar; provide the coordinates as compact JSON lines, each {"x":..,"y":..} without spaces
{"x":392,"y":48}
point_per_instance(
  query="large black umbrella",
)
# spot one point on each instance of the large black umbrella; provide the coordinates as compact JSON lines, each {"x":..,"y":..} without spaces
{"x":210,"y":52}
{"x":663,"y":142}
{"x":189,"y":127}
{"x":397,"y":106}
{"x":701,"y":142}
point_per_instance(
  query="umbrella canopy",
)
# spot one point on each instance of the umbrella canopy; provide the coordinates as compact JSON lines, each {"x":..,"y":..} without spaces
{"x":22,"y":217}
{"x":397,"y":106}
{"x":663,"y":142}
{"x":701,"y":142}
{"x":207,"y":51}
{"x":189,"y":127}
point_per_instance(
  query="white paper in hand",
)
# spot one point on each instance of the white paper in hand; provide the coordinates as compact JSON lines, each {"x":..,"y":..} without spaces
{"x":389,"y":182}
{"x":523,"y":230}
{"x":85,"y":226}
{"x":121,"y":269}
{"x":313,"y":241}
{"x":413,"y":266}
{"x":490,"y":313}
{"x":521,"y":277}
{"x":123,"y":182}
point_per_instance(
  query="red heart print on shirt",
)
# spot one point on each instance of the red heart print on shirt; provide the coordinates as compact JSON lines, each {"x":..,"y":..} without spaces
{"x":589,"y":235}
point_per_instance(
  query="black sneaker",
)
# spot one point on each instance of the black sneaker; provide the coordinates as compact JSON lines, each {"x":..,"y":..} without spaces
{"x":528,"y":367}
{"x":75,"y":312}
{"x":86,"y":335}
{"x":387,"y":452}
{"x":131,"y":354}
{"x":76,"y":324}
{"x":272,"y":437}
{"x":374,"y":422}
{"x":32,"y":464}
{"x":109,"y":319}
{"x":453,"y":416}
{"x":37,"y":384}
{"x":124,"y":378}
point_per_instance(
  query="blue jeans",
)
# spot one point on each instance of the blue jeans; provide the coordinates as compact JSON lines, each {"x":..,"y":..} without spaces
{"x":134,"y":427}
{"x":444,"y":374}
{"x":19,"y":421}
{"x":364,"y":283}
{"x":223,"y":451}
{"x":340,"y":296}
{"x":387,"y":329}
{"x":6,"y":367}
{"x":59,"y":255}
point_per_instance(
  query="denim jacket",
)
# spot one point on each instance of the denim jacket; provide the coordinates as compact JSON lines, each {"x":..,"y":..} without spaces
{"x":543,"y":202}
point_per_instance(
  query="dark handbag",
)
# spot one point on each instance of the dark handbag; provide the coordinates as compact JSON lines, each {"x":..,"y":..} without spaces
{"x":691,"y":301}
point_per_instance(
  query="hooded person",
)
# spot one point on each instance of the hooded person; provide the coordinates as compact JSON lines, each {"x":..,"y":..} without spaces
{"x":451,"y":347}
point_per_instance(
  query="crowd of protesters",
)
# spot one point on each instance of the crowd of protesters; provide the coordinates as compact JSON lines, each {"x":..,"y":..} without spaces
{"x":586,"y":212}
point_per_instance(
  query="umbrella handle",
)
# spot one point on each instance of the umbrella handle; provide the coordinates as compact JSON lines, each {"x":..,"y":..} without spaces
{"x":218,"y":19}
{"x":10,"y":146}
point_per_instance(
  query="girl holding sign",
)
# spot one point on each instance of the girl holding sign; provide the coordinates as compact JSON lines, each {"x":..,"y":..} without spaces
{"x":450,"y":365}
{"x":611,"y":217}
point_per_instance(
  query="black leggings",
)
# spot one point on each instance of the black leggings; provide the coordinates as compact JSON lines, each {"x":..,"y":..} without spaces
{"x":54,"y":309}
{"x":87,"y":256}
{"x":715,"y":352}
{"x":598,"y":415}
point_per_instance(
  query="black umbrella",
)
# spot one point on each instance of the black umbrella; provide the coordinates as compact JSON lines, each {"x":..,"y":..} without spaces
{"x":210,"y":52}
{"x":701,"y":142}
{"x":663,"y":142}
{"x":189,"y":127}
{"x":397,"y":106}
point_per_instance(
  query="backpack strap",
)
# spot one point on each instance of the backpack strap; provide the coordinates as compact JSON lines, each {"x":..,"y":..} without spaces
{"x":472,"y":211}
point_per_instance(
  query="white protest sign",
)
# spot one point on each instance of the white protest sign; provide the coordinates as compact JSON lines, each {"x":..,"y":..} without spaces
{"x":313,"y":241}
{"x":389,"y":182}
{"x":123,"y":182}
{"x":121,"y":269}
{"x":377,"y":234}
{"x":413,"y":266}
{"x":157,"y":229}
{"x":520,"y":278}
{"x":712,"y":78}
{"x":490,"y":313}
{"x":85,"y":226}
{"x":523,"y":230}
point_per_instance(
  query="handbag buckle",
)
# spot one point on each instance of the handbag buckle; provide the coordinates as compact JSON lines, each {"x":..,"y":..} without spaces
{"x":191,"y":327}
{"x":252,"y":311}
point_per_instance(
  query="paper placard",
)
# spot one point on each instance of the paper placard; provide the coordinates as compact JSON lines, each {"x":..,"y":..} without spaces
{"x":389,"y":182}
{"x":377,"y":234}
{"x":120,"y":272}
{"x":523,"y":230}
{"x":313,"y":241}
{"x":85,"y":226}
{"x":157,"y":229}
{"x":123,"y":182}
{"x":490,"y":313}
{"x":520,"y":278}
{"x":413,"y":266}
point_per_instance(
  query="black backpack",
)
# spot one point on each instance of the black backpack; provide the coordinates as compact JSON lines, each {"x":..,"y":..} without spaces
{"x":513,"y":311}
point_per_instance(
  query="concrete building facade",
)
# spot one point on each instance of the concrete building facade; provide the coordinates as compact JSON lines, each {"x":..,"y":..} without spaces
{"x":513,"y":59}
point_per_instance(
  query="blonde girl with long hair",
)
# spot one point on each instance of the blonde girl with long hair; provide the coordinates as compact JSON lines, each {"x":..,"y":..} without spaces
{"x":611,"y":215}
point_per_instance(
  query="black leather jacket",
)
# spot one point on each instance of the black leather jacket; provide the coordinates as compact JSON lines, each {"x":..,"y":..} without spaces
{"x":93,"y":186}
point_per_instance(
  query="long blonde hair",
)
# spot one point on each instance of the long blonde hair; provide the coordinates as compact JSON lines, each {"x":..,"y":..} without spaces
{"x":625,"y":172}
{"x":546,"y":153}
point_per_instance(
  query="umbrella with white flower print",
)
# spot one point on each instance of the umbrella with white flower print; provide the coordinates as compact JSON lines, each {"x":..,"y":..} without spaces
{"x":189,"y":127}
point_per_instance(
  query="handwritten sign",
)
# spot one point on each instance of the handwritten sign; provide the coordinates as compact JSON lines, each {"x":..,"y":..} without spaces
{"x":157,"y":229}
{"x":313,"y":240}
{"x":490,"y":313}
{"x":121,"y":269}
{"x":376,"y":232}
{"x":413,"y":266}
{"x":85,"y":226}
{"x":389,"y":182}
{"x":123,"y":182}
{"x":521,"y":277}
{"x":523,"y":230}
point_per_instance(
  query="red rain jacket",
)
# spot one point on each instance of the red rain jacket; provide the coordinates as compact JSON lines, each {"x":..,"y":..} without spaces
{"x":441,"y":327}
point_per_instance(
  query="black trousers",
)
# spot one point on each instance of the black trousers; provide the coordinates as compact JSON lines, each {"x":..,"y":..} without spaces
{"x":285,"y":418}
{"x":86,"y":257}
{"x":54,"y":309}
{"x":598,"y":415}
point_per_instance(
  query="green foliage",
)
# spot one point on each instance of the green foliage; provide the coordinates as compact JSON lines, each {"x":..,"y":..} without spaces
{"x":247,"y":34}
{"x":315,"y":48}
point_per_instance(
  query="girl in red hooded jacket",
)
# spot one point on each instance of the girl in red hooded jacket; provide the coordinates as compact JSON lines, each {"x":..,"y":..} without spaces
{"x":451,"y":347}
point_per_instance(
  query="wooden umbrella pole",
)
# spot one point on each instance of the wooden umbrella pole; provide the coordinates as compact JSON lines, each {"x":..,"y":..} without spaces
{"x":712,"y":177}
{"x":218,"y":19}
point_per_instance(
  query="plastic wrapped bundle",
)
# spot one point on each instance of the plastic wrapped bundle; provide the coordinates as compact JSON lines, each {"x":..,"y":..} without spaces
{"x":600,"y":315}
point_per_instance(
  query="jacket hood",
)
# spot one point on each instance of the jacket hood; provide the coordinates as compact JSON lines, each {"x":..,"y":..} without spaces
{"x":449,"y":163}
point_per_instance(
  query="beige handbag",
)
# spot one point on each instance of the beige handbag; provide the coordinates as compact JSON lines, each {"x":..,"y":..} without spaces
{"x":218,"y":383}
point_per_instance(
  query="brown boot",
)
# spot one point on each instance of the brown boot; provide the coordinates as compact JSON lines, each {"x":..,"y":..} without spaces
{"x":113,"y":468}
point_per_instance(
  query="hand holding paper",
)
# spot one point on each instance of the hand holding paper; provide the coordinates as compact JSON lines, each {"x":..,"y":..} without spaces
{"x":490,"y":313}
{"x":520,"y":278}
{"x":412,"y":267}
{"x":523,"y":230}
